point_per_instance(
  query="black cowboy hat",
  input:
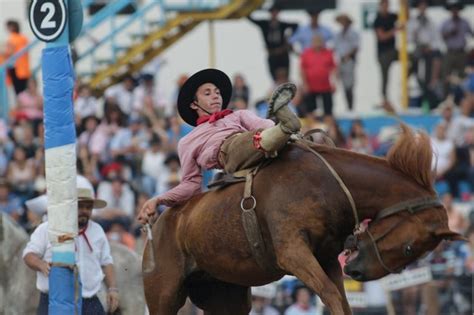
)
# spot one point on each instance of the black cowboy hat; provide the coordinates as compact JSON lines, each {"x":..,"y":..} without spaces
{"x":189,"y":88}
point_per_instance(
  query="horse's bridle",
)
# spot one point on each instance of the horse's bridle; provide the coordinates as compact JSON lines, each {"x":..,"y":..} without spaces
{"x":412,"y":206}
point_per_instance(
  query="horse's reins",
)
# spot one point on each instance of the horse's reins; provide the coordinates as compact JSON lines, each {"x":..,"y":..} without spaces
{"x":412,"y":205}
{"x":337,"y":177}
{"x":149,"y":263}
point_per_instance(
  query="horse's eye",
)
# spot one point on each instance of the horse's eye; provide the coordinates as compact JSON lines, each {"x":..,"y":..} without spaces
{"x":408,"y":250}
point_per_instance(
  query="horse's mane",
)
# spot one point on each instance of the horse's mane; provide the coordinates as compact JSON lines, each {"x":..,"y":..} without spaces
{"x":412,"y":155}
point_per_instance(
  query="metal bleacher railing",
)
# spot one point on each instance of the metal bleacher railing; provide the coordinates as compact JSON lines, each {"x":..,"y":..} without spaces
{"x":9,"y":63}
{"x":105,"y":52}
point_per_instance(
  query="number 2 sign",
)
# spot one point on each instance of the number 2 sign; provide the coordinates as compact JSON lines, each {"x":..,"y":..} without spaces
{"x":47,"y":19}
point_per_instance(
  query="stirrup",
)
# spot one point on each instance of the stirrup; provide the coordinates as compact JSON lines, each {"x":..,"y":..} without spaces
{"x":275,"y":103}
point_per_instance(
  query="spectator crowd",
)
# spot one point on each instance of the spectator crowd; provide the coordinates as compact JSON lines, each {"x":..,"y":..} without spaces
{"x":127,"y":138}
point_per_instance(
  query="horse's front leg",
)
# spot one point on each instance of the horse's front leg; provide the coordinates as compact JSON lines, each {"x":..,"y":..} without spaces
{"x":334,"y":272}
{"x":294,"y":256}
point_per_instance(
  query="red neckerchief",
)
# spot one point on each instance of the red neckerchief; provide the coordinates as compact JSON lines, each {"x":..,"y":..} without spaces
{"x":214,"y":117}
{"x":83,"y":233}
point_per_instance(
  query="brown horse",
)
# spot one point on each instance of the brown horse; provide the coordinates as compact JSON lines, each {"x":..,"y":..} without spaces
{"x":201,"y":250}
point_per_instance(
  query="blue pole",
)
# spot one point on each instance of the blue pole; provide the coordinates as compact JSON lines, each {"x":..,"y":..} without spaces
{"x":65,"y":296}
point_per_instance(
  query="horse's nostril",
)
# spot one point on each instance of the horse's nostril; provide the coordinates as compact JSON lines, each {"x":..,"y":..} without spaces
{"x":354,"y":274}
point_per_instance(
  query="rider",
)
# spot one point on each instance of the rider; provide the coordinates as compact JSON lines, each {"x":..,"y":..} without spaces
{"x":222,"y":139}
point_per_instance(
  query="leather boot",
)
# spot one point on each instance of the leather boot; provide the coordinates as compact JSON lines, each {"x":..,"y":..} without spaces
{"x":273,"y":139}
{"x":281,"y":97}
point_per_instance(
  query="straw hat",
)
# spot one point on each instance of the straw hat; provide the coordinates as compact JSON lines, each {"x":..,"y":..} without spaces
{"x":84,"y":194}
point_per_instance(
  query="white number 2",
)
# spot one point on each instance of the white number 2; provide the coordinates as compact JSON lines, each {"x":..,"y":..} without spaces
{"x":47,"y":23}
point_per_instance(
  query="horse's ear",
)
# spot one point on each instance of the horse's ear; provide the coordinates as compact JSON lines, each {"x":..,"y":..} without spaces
{"x":450,"y":236}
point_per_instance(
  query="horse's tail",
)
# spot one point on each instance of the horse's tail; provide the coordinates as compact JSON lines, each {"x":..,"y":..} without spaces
{"x":149,"y":258}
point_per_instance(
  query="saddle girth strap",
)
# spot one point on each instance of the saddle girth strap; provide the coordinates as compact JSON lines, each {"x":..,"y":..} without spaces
{"x":251,"y":226}
{"x":303,"y":143}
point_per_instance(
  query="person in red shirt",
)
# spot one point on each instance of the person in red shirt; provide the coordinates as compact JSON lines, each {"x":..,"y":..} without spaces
{"x":317,"y":67}
{"x":20,"y":73}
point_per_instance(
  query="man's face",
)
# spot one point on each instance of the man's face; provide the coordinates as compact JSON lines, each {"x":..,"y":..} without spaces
{"x":384,"y":6}
{"x":318,"y":42}
{"x":208,"y":96}
{"x":303,"y":296}
{"x":174,"y":166}
{"x":4,"y":191}
{"x":91,"y":124}
{"x":84,"y":211}
{"x":128,"y":84}
{"x":274,"y":14}
{"x":422,"y":7}
{"x":441,"y":131}
{"x":117,"y":187}
{"x":314,"y":18}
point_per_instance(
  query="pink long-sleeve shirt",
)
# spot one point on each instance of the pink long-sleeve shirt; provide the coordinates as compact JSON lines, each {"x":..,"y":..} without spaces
{"x":200,"y":149}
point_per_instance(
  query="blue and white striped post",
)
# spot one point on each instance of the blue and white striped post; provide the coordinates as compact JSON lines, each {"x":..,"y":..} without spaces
{"x":49,"y":22}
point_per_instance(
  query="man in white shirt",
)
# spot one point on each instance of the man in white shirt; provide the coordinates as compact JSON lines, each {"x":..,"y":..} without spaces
{"x":118,"y":195}
{"x":302,"y":302}
{"x":443,"y":150}
{"x":93,"y":259}
{"x":147,"y":97}
{"x":346,"y":46}
{"x":261,"y":300}
{"x":460,"y":124}
{"x":122,"y":94}
{"x":424,"y":42}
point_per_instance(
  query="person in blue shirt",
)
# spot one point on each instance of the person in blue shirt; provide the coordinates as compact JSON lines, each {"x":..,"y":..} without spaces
{"x":303,"y":37}
{"x":9,"y":203}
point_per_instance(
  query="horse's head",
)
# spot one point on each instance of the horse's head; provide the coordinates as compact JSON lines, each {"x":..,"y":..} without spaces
{"x":409,"y":222}
{"x":390,"y":243}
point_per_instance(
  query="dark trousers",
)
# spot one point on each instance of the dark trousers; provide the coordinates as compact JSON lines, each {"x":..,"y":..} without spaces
{"x":18,"y":84}
{"x":454,"y":62}
{"x":422,"y":65}
{"x":460,"y":170}
{"x":310,"y":100}
{"x":427,"y":59}
{"x":90,"y":306}
{"x":278,"y":61}
{"x":385,"y":60}
{"x":456,"y":175}
{"x":349,"y":97}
